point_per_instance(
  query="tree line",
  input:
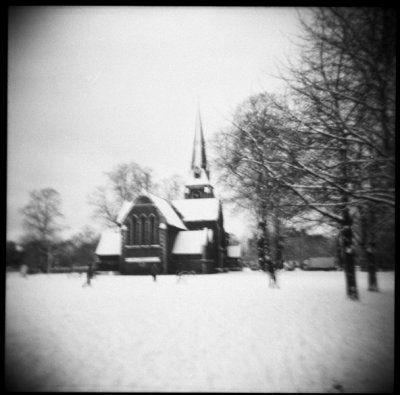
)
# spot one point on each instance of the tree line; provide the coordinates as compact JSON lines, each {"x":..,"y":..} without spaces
{"x":43,"y":249}
{"x":326,"y":148}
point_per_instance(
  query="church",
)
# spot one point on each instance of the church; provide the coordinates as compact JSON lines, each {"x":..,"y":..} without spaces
{"x":180,"y":235}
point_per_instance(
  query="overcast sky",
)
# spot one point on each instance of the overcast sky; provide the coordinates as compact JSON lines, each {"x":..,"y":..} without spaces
{"x":92,"y":87}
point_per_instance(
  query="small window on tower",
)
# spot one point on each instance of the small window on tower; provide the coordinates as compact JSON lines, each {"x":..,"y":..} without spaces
{"x":197,"y":172}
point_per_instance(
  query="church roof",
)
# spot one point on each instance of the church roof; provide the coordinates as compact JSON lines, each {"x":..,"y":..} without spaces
{"x":167,"y":211}
{"x":109,"y":243}
{"x":171,"y":217}
{"x":198,"y":209}
{"x":124,"y":211}
{"x":191,"y":241}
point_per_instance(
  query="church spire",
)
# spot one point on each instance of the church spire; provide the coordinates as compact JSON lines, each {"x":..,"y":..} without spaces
{"x":198,"y":184}
{"x":199,"y":158}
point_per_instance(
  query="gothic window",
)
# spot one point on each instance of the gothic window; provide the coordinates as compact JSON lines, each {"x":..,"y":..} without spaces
{"x":153,"y":230}
{"x":137,"y":231}
{"x":140,"y":231}
{"x":147,"y":231}
{"x":129,"y":231}
{"x":134,"y":232}
{"x":143,"y":230}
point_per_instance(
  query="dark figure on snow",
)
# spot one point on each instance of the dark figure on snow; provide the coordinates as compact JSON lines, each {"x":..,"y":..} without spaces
{"x":270,"y":267}
{"x":154,"y":271}
{"x":89,"y":275}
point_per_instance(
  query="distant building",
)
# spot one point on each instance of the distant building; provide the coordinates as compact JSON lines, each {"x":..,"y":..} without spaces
{"x":181,"y":235}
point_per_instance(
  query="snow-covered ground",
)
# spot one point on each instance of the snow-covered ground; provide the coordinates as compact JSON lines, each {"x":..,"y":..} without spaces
{"x":223,"y":332}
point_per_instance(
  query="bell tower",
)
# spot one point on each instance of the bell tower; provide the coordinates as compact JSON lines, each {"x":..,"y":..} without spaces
{"x":198,"y":184}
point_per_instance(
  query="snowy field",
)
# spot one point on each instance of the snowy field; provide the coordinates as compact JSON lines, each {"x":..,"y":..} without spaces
{"x":216,"y":333}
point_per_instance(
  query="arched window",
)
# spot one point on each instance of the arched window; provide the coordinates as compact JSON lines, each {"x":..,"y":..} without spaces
{"x":133,"y":233}
{"x":153,"y":230}
{"x":129,"y":231}
{"x":136,"y":233}
{"x":147,"y":231}
{"x":143,"y":230}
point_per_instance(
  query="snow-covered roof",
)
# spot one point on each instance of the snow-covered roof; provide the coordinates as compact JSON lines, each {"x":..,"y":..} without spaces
{"x":124,"y":211}
{"x":171,"y":217}
{"x":167,"y":211}
{"x":190,"y":242}
{"x":202,"y":180}
{"x":198,"y":209}
{"x":109,"y":243}
{"x":233,"y":251}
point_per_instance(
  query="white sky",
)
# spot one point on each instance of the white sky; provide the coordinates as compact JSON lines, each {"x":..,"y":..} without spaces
{"x":92,"y":87}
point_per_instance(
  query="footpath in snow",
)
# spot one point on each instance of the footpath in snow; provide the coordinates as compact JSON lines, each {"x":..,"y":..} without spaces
{"x":226,"y":332}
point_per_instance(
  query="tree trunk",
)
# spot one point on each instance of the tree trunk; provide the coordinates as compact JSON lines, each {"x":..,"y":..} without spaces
{"x":370,"y":252}
{"x":263,"y":239}
{"x":347,"y":228}
{"x":261,"y":244}
{"x":347,"y":239}
{"x":339,"y":252}
{"x":278,"y":244}
{"x":350,"y":274}
{"x":267,"y":238}
{"x":368,"y":236}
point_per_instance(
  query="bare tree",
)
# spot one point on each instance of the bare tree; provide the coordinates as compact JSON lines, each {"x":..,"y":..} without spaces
{"x":332,"y":149}
{"x":128,"y":179}
{"x":171,"y":188}
{"x":41,"y":221}
{"x":347,"y":89}
{"x":106,"y":205}
{"x":124,"y":182}
{"x":248,"y":151}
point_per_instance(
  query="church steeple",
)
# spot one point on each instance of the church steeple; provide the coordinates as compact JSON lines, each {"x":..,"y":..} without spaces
{"x":199,"y":158}
{"x":198,"y":184}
